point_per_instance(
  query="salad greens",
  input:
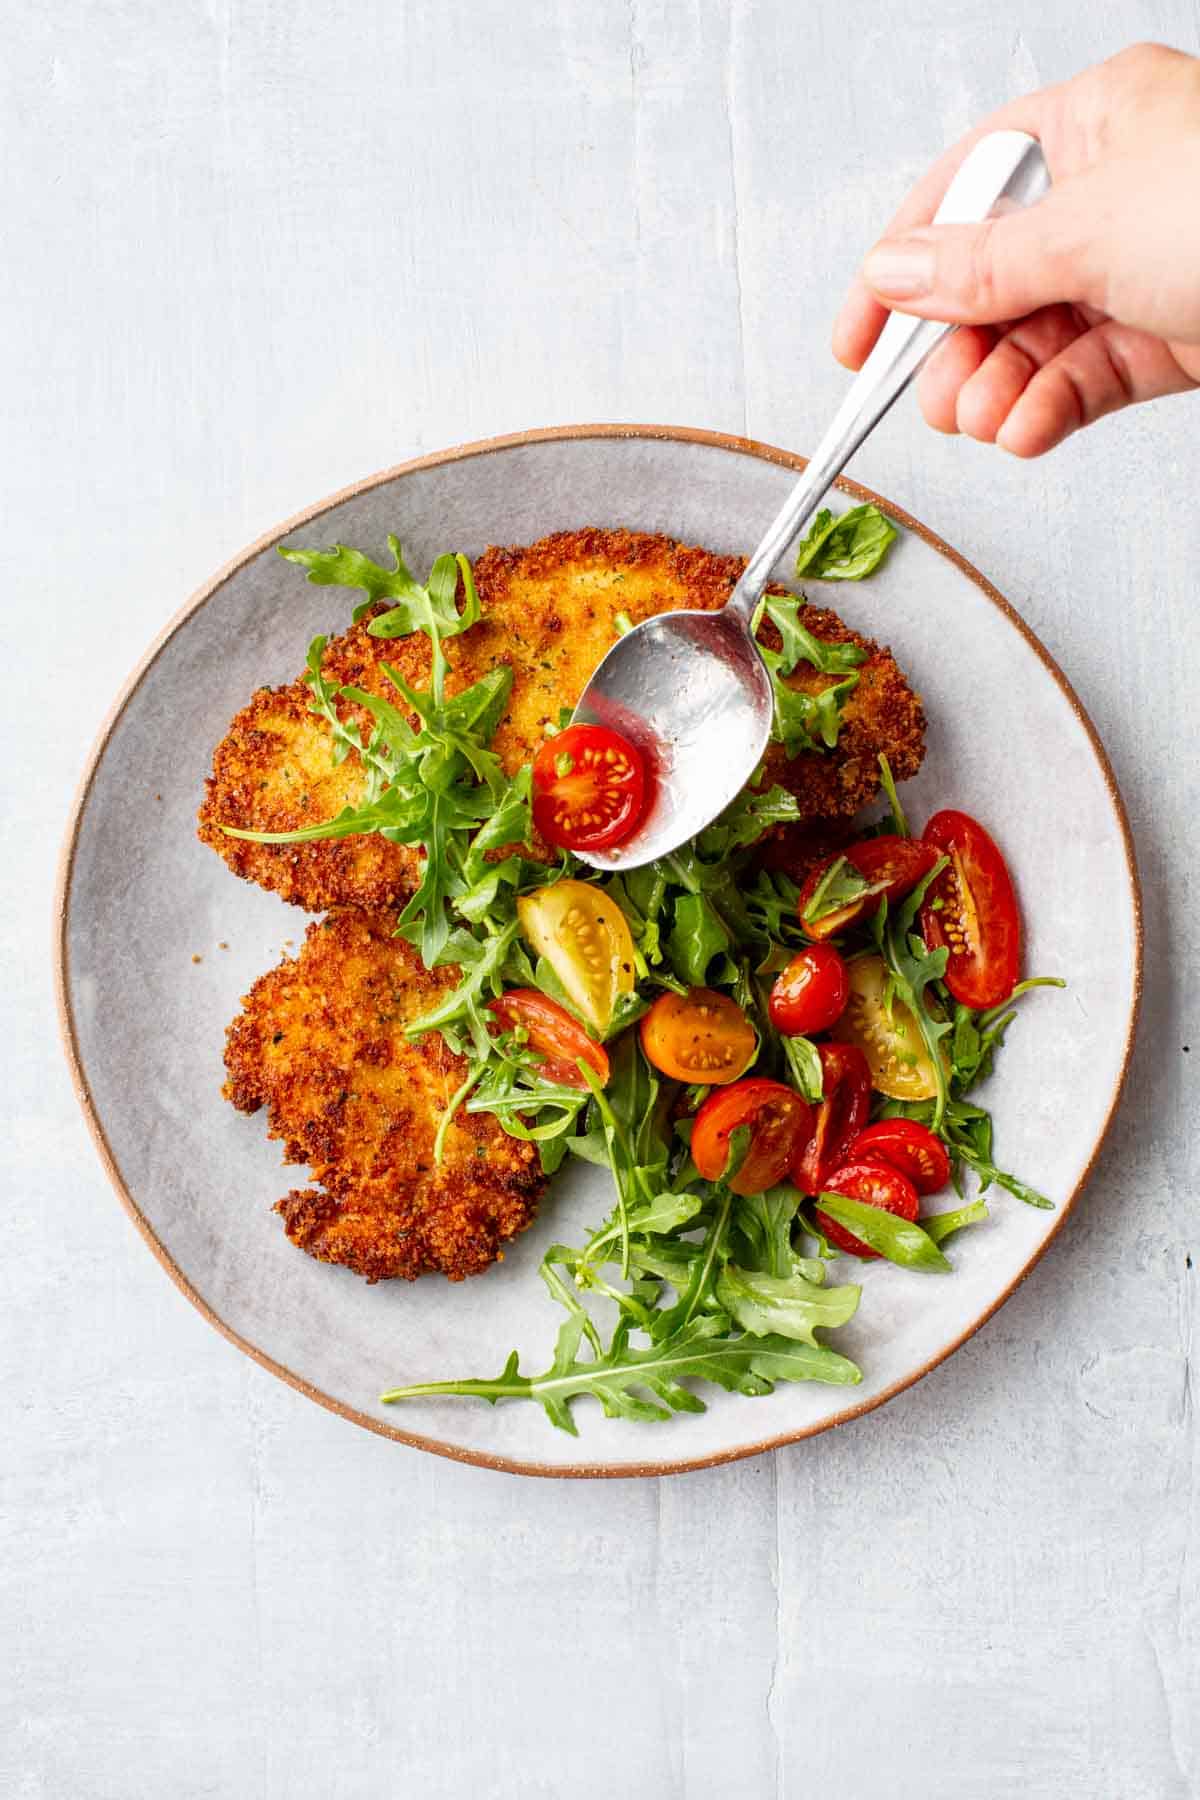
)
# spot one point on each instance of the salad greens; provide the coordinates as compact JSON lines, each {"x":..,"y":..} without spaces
{"x":847,"y":547}
{"x":705,"y":1285}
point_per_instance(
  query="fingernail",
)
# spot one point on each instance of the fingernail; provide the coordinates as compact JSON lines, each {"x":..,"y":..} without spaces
{"x":901,"y":268}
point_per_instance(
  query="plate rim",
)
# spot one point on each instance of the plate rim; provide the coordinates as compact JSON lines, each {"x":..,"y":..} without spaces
{"x":742,"y":446}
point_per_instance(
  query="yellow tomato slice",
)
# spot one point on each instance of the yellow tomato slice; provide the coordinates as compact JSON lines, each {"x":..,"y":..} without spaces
{"x":585,"y":937}
{"x":888,"y":1037}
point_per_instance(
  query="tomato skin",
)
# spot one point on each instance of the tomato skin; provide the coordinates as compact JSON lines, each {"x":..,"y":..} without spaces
{"x":598,"y":802}
{"x":843,"y":1112}
{"x":811,"y":993}
{"x":887,"y":1034}
{"x":702,"y":1036}
{"x":977,"y":919}
{"x":892,"y":865}
{"x":585,"y":937}
{"x":875,"y":1184}
{"x":560,"y":1040}
{"x":908,"y":1146}
{"x":780,"y":1120}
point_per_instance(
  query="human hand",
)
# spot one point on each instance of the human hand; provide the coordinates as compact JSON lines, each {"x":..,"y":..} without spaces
{"x":1084,"y":303}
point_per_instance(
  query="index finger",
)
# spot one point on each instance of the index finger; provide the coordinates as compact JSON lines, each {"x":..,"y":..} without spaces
{"x":862,"y":318}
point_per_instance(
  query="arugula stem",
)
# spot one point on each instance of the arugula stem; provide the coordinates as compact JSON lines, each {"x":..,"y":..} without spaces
{"x":452,"y":1106}
{"x":986,"y":1020}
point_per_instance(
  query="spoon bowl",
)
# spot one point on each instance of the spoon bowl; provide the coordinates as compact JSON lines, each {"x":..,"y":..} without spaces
{"x":693,"y":694}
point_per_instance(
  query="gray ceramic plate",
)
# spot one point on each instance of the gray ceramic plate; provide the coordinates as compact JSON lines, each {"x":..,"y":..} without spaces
{"x":144,"y":1021}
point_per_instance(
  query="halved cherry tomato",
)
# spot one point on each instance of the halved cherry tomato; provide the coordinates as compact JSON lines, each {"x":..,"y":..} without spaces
{"x":843,"y":1112}
{"x":699,"y":1036}
{"x":972,"y":908}
{"x":589,"y":788}
{"x":780,"y":1120}
{"x":889,"y":865}
{"x":562,"y":1041}
{"x":875,"y":1185}
{"x":811,"y":993}
{"x":886,"y":1032}
{"x":585,"y":937}
{"x":906,"y":1145}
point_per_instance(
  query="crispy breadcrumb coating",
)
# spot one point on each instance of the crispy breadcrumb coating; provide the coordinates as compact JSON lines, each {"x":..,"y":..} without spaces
{"x":320,"y":1043}
{"x":549,"y":610}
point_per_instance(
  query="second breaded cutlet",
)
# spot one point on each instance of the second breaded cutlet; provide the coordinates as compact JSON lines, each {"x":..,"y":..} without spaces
{"x":320,"y":1042}
{"x":550,"y":612}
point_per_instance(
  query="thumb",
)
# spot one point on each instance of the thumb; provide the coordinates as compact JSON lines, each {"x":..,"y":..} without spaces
{"x":982,"y":274}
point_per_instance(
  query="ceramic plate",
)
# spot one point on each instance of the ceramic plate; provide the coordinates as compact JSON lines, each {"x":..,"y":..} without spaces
{"x":141,"y":899}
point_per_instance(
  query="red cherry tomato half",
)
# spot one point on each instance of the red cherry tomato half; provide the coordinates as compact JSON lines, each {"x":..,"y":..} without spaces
{"x":875,"y":1185}
{"x":589,"y":788}
{"x":779,"y":1119}
{"x":972,"y":909}
{"x":845,"y":1109}
{"x":812,"y":992}
{"x":889,"y":865}
{"x":560,"y":1040}
{"x":905,"y":1145}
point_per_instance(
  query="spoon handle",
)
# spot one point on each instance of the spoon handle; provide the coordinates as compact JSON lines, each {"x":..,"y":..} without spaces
{"x":1004,"y":170}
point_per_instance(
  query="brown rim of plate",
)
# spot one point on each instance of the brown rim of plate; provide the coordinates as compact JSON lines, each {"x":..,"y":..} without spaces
{"x":681,"y":434}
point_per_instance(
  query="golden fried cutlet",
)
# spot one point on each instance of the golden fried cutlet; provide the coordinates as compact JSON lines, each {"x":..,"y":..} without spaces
{"x":320,"y":1042}
{"x":549,"y":611}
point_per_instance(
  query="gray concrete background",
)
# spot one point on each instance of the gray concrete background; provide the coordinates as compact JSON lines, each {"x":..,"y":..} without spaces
{"x":252,"y":251}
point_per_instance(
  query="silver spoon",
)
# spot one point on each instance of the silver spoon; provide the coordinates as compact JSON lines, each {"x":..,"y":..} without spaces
{"x":690,"y":688}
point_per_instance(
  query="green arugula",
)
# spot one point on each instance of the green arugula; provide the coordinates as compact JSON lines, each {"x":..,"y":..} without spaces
{"x":939,"y":1226}
{"x":432,"y":608}
{"x":793,"y":1306}
{"x":847,"y":547}
{"x":763,"y":1227}
{"x":899,"y":1240}
{"x":840,"y":885}
{"x":805,"y":721}
{"x":623,"y":1377}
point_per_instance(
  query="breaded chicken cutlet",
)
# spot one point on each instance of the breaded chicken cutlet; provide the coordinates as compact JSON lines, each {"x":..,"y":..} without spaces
{"x":320,"y":1043}
{"x":550,"y":611}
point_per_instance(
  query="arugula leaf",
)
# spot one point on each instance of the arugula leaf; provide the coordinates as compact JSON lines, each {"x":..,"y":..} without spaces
{"x":806,"y":721}
{"x":748,"y":819}
{"x":845,"y":548}
{"x":897,"y":1239}
{"x":342,"y":567}
{"x":703,"y":1352}
{"x":940,"y":1225}
{"x":769,"y":906}
{"x":705,"y":1268}
{"x":800,"y":644}
{"x":789,"y":1305}
{"x":697,"y":935}
{"x":764,"y":1222}
{"x":346,"y":735}
{"x":481,"y":969}
{"x":513,"y":1088}
{"x":803,"y":720}
{"x":432,"y":608}
{"x":803,"y":1061}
